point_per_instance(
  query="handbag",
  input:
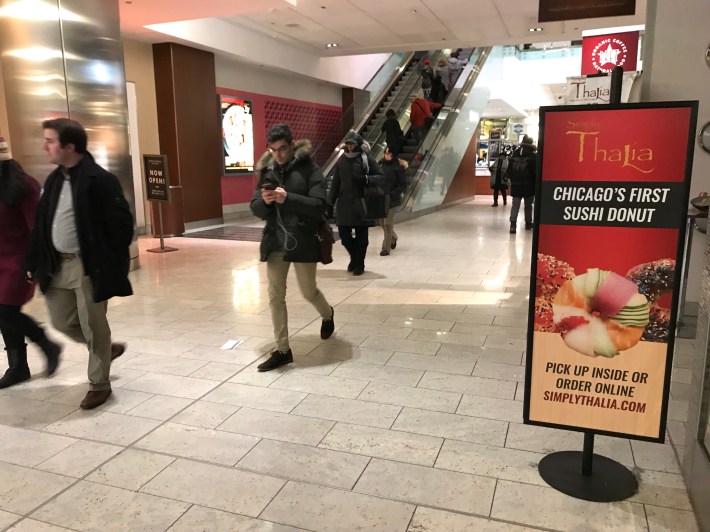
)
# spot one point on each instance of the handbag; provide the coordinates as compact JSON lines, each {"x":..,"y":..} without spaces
{"x":326,"y":239}
{"x":374,"y":202}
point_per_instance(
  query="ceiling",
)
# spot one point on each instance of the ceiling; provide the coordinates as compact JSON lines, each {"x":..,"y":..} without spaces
{"x":359,"y":27}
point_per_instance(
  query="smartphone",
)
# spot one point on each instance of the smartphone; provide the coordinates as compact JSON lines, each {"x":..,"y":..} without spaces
{"x":269,"y":186}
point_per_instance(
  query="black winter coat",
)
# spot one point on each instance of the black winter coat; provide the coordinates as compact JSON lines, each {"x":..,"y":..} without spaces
{"x":104,"y":225}
{"x":347,"y":189}
{"x":393,"y":135}
{"x":522,"y":183}
{"x":394,"y":181}
{"x":302,"y":211}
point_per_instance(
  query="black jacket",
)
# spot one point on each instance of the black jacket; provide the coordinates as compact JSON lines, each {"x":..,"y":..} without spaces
{"x":302,"y":211}
{"x":104,"y":225}
{"x":349,"y":180}
{"x":393,"y":135}
{"x":394,"y":181}
{"x":522,"y":171}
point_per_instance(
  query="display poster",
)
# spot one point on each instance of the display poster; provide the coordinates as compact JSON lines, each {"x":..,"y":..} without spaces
{"x":237,"y":135}
{"x":601,"y":53}
{"x":557,"y":10}
{"x":584,"y":90}
{"x":611,"y":208}
{"x":157,"y":179}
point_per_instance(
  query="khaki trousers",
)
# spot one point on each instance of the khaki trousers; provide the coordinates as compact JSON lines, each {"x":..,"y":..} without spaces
{"x":388,"y":227}
{"x":277,"y":272}
{"x":73,"y":311}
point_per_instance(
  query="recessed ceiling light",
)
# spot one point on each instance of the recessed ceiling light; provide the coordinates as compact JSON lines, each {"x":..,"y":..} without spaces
{"x":414,"y":11}
{"x":534,"y":29}
{"x":331,"y":45}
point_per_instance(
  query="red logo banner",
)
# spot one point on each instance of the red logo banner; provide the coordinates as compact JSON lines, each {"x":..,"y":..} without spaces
{"x":604,"y":52}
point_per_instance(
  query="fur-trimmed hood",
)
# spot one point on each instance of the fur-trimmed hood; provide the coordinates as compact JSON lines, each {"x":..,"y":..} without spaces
{"x":302,"y":151}
{"x":365,"y":147}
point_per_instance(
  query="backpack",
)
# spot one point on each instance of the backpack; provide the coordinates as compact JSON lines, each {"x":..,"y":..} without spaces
{"x":520,"y":170}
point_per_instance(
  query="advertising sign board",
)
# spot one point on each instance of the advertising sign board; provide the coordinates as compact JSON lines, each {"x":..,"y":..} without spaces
{"x":611,"y":209}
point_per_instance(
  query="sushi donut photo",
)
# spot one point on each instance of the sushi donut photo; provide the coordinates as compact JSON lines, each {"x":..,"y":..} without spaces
{"x":600,"y":313}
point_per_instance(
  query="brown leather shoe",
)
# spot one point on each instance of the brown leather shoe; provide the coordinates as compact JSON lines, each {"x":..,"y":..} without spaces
{"x":117,"y":350}
{"x":95,"y":398}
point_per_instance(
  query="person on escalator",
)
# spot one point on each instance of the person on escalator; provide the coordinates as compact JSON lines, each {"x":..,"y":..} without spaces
{"x":353,"y":171}
{"x":427,"y":78}
{"x":394,"y":136}
{"x":420,"y":115}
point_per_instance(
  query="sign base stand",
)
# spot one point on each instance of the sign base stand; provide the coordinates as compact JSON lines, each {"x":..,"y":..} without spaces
{"x":571,"y":473}
{"x":163,"y":248}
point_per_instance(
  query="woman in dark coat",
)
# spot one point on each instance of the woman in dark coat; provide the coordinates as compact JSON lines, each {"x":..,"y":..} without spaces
{"x":19,"y":195}
{"x":394,"y":136}
{"x":499,"y":181}
{"x":394,"y":183}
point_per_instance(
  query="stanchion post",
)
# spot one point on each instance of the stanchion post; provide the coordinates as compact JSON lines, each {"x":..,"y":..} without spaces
{"x":588,"y":454}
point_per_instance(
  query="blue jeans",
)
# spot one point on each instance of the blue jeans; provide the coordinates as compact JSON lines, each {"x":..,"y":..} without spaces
{"x":516,"y":208}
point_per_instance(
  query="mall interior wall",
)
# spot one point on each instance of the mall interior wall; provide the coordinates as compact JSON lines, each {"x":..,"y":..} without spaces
{"x":4,"y":128}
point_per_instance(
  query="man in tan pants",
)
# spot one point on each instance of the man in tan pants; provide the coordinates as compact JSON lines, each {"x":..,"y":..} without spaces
{"x":79,"y":249}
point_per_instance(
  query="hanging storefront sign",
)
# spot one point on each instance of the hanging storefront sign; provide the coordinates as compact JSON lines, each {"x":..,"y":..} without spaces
{"x":555,"y":10}
{"x":583,"y":89}
{"x":611,"y":209}
{"x":602,"y":53}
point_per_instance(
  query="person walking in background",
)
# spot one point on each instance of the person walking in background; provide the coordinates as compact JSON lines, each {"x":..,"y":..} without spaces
{"x":427,"y":78}
{"x":521,"y":173}
{"x":79,"y":249}
{"x":291,"y":197}
{"x":455,"y":67}
{"x":499,"y":182}
{"x":420,"y":115}
{"x":19,"y":195}
{"x":394,"y":183}
{"x":394,"y":136}
{"x":352,"y":173}
{"x":442,"y":71}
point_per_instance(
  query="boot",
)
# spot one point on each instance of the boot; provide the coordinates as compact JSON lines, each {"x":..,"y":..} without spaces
{"x":18,"y":370}
{"x":52,"y":351}
{"x":513,"y":227}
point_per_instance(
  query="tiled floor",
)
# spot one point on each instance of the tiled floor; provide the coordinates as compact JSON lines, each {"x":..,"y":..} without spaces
{"x":408,"y":418}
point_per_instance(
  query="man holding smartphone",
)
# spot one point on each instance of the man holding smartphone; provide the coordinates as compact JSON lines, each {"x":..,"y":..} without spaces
{"x":291,"y":197}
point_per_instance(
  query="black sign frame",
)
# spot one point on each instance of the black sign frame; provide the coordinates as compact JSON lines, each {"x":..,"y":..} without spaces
{"x":157,"y":178}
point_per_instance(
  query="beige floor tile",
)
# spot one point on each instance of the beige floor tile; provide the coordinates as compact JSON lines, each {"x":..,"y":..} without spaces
{"x":29,"y":448}
{"x":31,"y":414}
{"x":490,"y":461}
{"x":131,"y":469}
{"x":442,"y":364}
{"x":79,"y":459}
{"x":170,"y":365}
{"x":492,"y":370}
{"x":383,"y":443}
{"x":352,"y":353}
{"x":76,"y":508}
{"x":6,"y":519}
{"x":546,"y":440}
{"x":255,"y":397}
{"x":22,"y":489}
{"x":667,"y":520}
{"x":662,"y":489}
{"x":320,"y":384}
{"x":655,"y":457}
{"x":103,"y":426}
{"x":458,"y":317}
{"x":319,"y":508}
{"x":276,"y":426}
{"x":204,"y":484}
{"x":414,"y":323}
{"x":465,"y":428}
{"x":478,"y":386}
{"x":349,"y":410}
{"x":377,"y":373}
{"x":447,"y":337}
{"x":419,"y":347}
{"x":160,"y":407}
{"x":171,"y":385}
{"x":305,"y":463}
{"x":500,"y":342}
{"x":39,"y":388}
{"x":120,"y":402}
{"x":548,"y":508}
{"x":200,"y":519}
{"x":430,"y":520}
{"x":159,"y":347}
{"x":198,"y":443}
{"x":242,"y":357}
{"x":205,"y":414}
{"x":32,"y":525}
{"x":491,"y":408}
{"x":428,"y":486}
{"x":393,"y":394}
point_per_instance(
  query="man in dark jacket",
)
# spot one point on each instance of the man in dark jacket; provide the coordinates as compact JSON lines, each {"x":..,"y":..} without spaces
{"x":521,"y":173}
{"x":351,"y":175}
{"x":291,"y":197}
{"x":394,"y":183}
{"x":394,"y":136}
{"x":79,"y":249}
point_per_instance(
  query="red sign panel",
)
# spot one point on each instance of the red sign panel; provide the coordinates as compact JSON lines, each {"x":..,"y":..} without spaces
{"x":602,"y":53}
{"x":611,"y":205}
